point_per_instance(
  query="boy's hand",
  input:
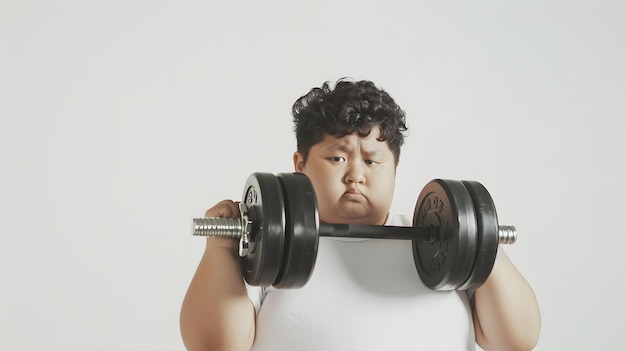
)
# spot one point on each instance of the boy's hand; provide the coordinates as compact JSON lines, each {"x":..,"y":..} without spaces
{"x":224,"y":209}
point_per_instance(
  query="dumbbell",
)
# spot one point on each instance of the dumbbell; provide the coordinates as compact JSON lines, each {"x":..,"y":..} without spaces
{"x":455,"y":233}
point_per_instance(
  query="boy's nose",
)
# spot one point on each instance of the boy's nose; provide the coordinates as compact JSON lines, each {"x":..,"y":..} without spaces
{"x":355,"y":173}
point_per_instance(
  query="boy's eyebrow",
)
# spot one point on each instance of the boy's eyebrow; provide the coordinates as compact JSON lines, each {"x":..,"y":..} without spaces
{"x":339,"y":147}
{"x":372,"y":152}
{"x":347,"y":148}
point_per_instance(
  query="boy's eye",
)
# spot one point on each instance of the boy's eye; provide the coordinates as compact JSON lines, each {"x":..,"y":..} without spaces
{"x":337,"y":159}
{"x":370,"y":162}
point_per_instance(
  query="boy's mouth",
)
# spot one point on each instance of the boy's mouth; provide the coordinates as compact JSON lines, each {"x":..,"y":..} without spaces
{"x":353,"y":194}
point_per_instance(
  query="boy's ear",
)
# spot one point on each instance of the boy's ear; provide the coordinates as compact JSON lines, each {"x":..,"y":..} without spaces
{"x":298,"y":162}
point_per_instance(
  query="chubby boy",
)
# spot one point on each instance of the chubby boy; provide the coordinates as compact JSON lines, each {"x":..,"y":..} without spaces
{"x":364,"y":294}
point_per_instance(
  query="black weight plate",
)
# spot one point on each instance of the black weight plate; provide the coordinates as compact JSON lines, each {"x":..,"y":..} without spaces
{"x":264,"y":198}
{"x":487,"y":243}
{"x":446,"y":208}
{"x":302,"y":231}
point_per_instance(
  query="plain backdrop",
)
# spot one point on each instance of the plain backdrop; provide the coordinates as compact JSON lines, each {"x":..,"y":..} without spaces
{"x":122,"y":120}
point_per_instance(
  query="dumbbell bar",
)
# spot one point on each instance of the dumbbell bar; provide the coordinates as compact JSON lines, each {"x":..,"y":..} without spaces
{"x":455,"y":233}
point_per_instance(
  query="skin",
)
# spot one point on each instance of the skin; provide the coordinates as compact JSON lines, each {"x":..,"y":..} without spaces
{"x":354,"y":181}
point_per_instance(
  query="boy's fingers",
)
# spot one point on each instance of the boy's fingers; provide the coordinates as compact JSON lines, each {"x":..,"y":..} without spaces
{"x":225,"y":208}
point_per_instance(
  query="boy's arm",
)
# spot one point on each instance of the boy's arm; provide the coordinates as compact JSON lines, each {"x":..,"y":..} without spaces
{"x":216,"y":313}
{"x":506,"y":312}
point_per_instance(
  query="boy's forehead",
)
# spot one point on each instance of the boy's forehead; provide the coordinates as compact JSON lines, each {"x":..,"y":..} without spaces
{"x":372,"y":136}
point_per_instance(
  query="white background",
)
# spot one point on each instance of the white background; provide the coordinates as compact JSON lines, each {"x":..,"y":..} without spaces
{"x":122,"y":120}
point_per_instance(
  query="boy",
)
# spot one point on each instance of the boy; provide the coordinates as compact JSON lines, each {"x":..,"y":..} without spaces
{"x":364,"y":294}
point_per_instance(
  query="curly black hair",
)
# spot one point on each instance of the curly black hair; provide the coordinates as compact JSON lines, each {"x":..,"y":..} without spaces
{"x":351,"y":107}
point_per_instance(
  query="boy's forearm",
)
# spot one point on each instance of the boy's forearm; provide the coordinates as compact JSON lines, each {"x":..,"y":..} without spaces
{"x":506,"y":312}
{"x":216,"y":312}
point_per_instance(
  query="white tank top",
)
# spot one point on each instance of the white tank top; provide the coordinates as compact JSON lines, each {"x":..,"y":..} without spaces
{"x":364,"y":294}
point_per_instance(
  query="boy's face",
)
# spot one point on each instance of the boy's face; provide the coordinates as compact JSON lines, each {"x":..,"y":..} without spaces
{"x":353,"y":177}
